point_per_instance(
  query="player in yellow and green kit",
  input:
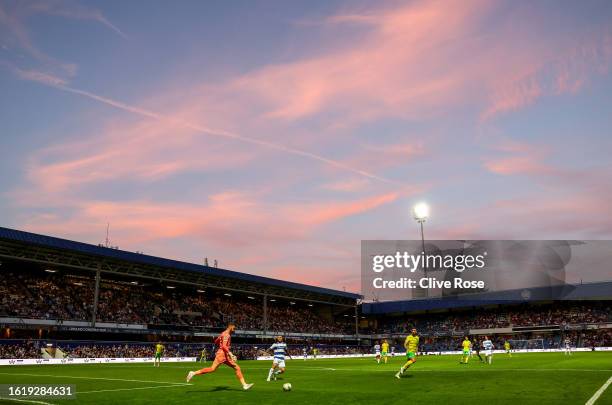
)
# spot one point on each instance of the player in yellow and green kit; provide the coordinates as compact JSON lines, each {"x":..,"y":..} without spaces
{"x":159,"y":350}
{"x":466,"y":345}
{"x":385,"y":350}
{"x":412,"y":346}
{"x":507,"y":348}
{"x":203,"y":355}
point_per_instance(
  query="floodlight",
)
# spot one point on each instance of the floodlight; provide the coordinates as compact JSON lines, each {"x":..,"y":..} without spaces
{"x":421,"y":211}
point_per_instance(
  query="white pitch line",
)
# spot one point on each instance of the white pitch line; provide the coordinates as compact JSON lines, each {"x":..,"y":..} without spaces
{"x":29,"y":401}
{"x":95,"y":378}
{"x":132,"y":389}
{"x":487,"y":369}
{"x":484,"y":368}
{"x":600,"y":391}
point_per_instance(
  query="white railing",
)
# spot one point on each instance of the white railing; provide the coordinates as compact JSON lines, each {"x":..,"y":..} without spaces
{"x":79,"y":324}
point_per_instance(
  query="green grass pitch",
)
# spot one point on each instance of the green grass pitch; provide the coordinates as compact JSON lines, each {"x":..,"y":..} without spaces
{"x":542,"y":378}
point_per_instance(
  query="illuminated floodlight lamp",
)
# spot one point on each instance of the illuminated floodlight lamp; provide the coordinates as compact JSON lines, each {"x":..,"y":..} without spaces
{"x":420,"y":212}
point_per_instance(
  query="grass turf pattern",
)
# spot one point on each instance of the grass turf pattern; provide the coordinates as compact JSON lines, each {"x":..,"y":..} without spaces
{"x":526,"y":378}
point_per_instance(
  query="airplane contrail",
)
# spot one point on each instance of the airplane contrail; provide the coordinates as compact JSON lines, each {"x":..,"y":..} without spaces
{"x":154,"y":115}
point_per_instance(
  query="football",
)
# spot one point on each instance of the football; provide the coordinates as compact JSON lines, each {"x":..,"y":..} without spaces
{"x":286,"y":387}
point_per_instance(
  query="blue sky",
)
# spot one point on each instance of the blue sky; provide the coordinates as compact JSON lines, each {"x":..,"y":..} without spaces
{"x":275,"y":136}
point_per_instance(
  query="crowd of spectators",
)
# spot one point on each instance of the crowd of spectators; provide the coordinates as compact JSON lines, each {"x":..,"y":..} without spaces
{"x":58,"y":297}
{"x":53,"y":296}
{"x":63,"y":297}
{"x":559,"y":314}
{"x":429,"y":345}
{"x":42,"y":298}
{"x":102,"y":350}
{"x":20,"y":350}
{"x":243,"y":351}
{"x":29,"y":349}
{"x":596,"y":338}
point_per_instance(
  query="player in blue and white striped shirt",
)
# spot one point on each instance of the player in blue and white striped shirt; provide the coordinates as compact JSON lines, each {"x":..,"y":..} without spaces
{"x":488,"y":346}
{"x":377,"y":352}
{"x":278,"y":364}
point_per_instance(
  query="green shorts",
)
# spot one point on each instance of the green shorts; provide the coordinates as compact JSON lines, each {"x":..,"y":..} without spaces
{"x":158,"y":355}
{"x":410,"y":355}
{"x":466,"y":352}
{"x":384,"y":353}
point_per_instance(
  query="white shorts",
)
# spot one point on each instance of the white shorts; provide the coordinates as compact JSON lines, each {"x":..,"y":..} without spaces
{"x":278,"y":362}
{"x":488,"y":352}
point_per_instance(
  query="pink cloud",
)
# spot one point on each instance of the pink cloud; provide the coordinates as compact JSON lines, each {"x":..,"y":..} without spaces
{"x":575,"y":69}
{"x":320,"y":275}
{"x":513,"y":95}
{"x":559,"y":216}
{"x":574,"y":212}
{"x":566,"y":83}
{"x":406,"y":64}
{"x":228,"y":219}
{"x":142,"y":151}
{"x":175,"y":122}
{"x":516,"y":165}
{"x":381,"y":156}
{"x":333,"y":211}
{"x":565,"y":71}
{"x":364,"y":77}
{"x":518,"y":158}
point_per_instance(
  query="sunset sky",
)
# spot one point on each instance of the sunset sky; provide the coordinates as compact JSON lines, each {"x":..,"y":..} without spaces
{"x":274,"y":136}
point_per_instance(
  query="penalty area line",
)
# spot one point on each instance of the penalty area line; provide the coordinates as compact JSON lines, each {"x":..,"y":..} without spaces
{"x":600,"y":391}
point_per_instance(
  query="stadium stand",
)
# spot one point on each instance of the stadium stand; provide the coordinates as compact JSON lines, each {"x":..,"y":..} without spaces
{"x":92,"y":301}
{"x":40,"y":295}
{"x":557,"y":314}
{"x":58,"y":287}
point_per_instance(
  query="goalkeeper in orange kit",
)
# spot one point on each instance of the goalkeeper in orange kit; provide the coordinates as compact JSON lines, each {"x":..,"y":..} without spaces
{"x":223,"y":356}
